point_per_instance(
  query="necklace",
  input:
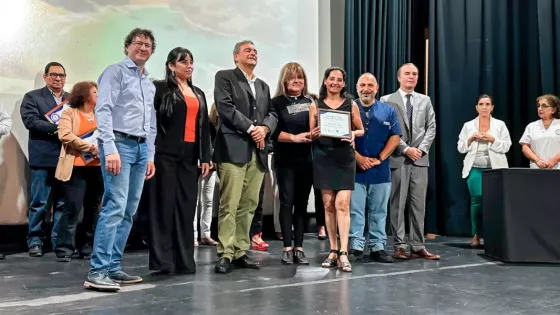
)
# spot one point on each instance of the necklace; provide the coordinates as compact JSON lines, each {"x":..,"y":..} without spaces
{"x":90,"y":117}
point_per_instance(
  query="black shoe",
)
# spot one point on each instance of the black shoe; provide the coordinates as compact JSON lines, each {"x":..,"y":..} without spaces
{"x":223,"y":266}
{"x":2,"y":257}
{"x":288,"y":257}
{"x":246,"y":262}
{"x":299,"y":258}
{"x":36,"y":251}
{"x":122,"y":277}
{"x":381,"y":256}
{"x":64,"y":257}
{"x":355,"y":255}
{"x":101,"y":281}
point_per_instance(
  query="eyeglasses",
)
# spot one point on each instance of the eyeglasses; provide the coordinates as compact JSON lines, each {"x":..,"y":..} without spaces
{"x":147,"y":45}
{"x":55,"y":75}
{"x":543,"y":106}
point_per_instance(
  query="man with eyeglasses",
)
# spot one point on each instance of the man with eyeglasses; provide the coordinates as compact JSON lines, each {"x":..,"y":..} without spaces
{"x":127,"y":128}
{"x":44,"y":149}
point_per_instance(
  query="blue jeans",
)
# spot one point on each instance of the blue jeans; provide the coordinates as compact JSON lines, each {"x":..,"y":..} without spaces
{"x":43,"y":185}
{"x":374,"y":198}
{"x":120,"y":201}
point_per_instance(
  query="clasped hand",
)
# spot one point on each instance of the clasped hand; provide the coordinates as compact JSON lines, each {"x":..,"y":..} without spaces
{"x":259,"y":134}
{"x":414,"y":153}
{"x":482,"y":136}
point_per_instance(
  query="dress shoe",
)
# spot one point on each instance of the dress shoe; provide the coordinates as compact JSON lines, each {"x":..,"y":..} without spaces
{"x":223,"y":266}
{"x":400,"y":254}
{"x":475,"y":242}
{"x":120,"y":276}
{"x":101,"y":281}
{"x":287,"y":257}
{"x":381,"y":256}
{"x":208,"y":241}
{"x":299,"y":258}
{"x":2,"y":257}
{"x":63,"y":258}
{"x":246,"y":262}
{"x":36,"y":251}
{"x":423,"y":253}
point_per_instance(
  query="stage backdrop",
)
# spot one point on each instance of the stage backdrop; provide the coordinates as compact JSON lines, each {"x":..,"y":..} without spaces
{"x":86,"y":36}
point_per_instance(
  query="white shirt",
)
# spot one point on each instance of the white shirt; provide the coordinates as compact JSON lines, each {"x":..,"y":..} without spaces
{"x":405,"y":99}
{"x":252,"y":86}
{"x":545,"y":143}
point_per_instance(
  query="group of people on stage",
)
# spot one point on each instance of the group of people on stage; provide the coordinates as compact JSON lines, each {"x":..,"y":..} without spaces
{"x":126,"y":138}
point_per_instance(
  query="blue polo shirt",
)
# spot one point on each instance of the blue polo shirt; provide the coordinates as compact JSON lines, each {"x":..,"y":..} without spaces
{"x":380,"y":122}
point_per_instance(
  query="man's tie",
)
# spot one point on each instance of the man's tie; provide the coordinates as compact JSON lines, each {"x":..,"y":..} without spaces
{"x":409,"y":110}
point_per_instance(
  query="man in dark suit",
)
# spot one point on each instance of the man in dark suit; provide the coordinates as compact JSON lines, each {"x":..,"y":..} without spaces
{"x":247,"y":119}
{"x":44,"y":150}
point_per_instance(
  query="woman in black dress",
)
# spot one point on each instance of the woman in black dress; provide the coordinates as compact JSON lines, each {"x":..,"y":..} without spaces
{"x":334,"y":164}
{"x":183,"y":141}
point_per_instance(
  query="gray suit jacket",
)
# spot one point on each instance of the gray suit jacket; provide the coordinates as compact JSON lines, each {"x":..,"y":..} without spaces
{"x":423,"y":130}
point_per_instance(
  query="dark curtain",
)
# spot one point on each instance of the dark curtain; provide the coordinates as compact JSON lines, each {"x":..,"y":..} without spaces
{"x":506,"y":48}
{"x":377,"y":39}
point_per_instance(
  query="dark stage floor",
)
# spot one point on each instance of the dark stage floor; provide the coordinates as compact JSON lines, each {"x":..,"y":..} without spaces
{"x":463,"y":282}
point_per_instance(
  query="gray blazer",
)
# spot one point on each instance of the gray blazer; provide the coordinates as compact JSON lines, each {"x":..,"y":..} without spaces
{"x":423,"y":127}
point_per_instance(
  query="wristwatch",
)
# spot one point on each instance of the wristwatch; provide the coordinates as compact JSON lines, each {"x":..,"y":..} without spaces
{"x":379,"y":158}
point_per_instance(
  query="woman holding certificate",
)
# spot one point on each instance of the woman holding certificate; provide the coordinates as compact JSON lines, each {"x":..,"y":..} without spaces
{"x":334,"y":123}
{"x":79,"y":170}
{"x":183,"y":152}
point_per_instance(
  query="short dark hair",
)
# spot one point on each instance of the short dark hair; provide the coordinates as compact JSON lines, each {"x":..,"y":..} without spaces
{"x":80,"y":93}
{"x":53,"y":64}
{"x":481,"y":96}
{"x":137,"y":32}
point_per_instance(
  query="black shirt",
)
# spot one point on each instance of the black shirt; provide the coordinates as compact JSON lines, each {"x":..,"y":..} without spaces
{"x":293,"y":118}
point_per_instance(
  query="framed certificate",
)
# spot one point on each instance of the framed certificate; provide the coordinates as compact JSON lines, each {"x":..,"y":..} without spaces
{"x":334,"y":123}
{"x":54,"y":114}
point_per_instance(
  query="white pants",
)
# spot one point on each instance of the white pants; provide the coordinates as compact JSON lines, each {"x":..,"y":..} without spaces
{"x":204,"y":204}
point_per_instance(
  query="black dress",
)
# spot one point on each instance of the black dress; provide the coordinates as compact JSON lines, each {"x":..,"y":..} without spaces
{"x":334,"y":162}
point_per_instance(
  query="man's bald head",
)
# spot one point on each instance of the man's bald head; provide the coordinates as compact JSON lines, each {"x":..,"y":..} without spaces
{"x":367,"y":88}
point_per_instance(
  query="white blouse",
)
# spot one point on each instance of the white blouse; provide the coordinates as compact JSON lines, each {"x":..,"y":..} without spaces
{"x":545,"y":143}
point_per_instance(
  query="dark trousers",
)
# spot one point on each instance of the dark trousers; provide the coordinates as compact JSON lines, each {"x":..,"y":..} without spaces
{"x":319,"y":208}
{"x":84,"y":191}
{"x":256,"y":224}
{"x":171,"y":238}
{"x":294,"y":185}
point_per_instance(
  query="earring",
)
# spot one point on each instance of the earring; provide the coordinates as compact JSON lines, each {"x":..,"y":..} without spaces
{"x":173,"y":73}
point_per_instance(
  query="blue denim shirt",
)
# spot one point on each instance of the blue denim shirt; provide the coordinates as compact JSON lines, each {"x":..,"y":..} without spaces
{"x":125,"y":103}
{"x":380,"y":123}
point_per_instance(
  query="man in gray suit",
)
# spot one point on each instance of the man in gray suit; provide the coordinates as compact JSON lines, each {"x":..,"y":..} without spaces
{"x":409,"y":163}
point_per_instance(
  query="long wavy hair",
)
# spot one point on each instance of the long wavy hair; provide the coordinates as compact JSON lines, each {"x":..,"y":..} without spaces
{"x":323,"y":90}
{"x":170,"y":98}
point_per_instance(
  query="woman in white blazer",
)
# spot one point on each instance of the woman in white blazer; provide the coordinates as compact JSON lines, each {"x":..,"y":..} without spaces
{"x":485,"y":140}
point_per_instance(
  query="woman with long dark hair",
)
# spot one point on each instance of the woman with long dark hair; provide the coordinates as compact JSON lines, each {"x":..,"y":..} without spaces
{"x":334,"y":164}
{"x":183,"y":151}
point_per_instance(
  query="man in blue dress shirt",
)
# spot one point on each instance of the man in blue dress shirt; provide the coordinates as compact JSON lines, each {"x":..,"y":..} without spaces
{"x":373,"y":176}
{"x":127,"y":130}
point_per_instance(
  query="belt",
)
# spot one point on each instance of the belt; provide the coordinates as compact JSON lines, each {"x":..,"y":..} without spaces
{"x":131,"y":137}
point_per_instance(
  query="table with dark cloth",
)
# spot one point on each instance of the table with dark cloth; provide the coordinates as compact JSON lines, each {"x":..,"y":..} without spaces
{"x":521,"y":215}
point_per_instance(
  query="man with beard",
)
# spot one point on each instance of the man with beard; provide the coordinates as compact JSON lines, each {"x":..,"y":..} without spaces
{"x":373,"y":177}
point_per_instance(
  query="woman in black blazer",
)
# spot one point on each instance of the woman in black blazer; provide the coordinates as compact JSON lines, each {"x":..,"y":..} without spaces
{"x":183,"y":152}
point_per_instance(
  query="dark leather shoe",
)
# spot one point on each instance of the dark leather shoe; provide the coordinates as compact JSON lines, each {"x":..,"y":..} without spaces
{"x":381,"y":256}
{"x":400,"y":254}
{"x":355,"y":255}
{"x":246,"y":262}
{"x":223,"y":266}
{"x":35,"y":251}
{"x":2,"y":257}
{"x":288,"y":257}
{"x":124,"y":278}
{"x":63,"y":258}
{"x":101,"y":281}
{"x":299,"y":258}
{"x":423,"y":253}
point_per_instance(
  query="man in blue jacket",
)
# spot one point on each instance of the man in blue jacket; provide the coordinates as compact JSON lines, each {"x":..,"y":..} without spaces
{"x":44,"y":150}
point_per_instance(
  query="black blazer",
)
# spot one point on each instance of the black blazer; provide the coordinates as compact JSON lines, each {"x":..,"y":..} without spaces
{"x":171,"y":140}
{"x":43,"y":146}
{"x":238,"y":110}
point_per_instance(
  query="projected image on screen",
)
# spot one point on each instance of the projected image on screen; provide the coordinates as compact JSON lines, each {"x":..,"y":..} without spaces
{"x":86,"y":36}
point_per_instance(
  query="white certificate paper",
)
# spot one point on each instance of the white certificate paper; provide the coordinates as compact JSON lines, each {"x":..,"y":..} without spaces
{"x":334,"y":124}
{"x":91,"y":138}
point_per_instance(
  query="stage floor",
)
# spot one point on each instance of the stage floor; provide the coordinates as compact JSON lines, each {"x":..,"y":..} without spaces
{"x":463,"y":282}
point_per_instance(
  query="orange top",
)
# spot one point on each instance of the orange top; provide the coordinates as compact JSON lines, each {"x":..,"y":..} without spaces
{"x":190,"y":123}
{"x":85,"y":126}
